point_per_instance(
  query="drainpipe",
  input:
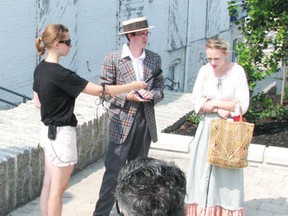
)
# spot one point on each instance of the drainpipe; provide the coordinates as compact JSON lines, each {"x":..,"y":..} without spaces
{"x":188,"y":47}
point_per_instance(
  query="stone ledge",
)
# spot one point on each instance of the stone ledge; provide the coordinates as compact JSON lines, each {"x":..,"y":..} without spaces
{"x":21,"y":162}
{"x":276,"y":156}
{"x":268,"y":155}
{"x":173,"y":142}
{"x":257,"y":153}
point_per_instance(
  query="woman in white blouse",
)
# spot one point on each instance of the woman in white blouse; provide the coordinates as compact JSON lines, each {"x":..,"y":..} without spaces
{"x":220,"y":90}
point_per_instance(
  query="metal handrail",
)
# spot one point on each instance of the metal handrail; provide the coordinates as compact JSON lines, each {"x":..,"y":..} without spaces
{"x":24,"y":97}
{"x":173,"y":83}
{"x":8,"y":102}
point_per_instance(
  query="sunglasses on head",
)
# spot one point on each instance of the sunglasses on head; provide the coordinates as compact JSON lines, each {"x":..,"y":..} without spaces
{"x":66,"y":42}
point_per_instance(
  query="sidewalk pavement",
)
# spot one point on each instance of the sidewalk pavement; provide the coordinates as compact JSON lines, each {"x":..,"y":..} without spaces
{"x":266,"y":177}
{"x":266,"y":186}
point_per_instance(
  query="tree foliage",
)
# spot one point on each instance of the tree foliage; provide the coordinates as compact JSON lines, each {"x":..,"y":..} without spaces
{"x":263,"y":48}
{"x":265,"y":36}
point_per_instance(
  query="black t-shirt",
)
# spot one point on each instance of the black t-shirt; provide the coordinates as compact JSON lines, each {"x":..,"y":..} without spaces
{"x":57,"y":89}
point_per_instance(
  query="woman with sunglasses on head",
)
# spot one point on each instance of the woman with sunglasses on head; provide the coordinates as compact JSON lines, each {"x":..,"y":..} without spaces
{"x":55,"y":90}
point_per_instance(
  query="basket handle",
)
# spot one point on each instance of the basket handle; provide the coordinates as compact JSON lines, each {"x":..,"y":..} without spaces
{"x":240,"y":113}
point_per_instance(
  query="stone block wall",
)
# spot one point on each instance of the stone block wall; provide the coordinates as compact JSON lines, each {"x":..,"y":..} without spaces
{"x":22,"y":162}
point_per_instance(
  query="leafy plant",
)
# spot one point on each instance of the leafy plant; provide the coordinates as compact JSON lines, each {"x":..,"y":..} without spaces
{"x":263,"y":48}
{"x":194,"y":118}
{"x":264,"y":107}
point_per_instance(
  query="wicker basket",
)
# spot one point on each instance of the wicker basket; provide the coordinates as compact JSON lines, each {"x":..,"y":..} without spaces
{"x":229,"y":142}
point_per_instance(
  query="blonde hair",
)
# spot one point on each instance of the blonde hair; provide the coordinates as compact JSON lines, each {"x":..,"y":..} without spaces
{"x":51,"y":34}
{"x":217,"y":43}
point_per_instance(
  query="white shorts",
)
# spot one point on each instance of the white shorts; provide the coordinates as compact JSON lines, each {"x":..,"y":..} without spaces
{"x":62,"y":151}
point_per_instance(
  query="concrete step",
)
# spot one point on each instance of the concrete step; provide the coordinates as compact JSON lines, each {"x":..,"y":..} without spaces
{"x":173,"y":142}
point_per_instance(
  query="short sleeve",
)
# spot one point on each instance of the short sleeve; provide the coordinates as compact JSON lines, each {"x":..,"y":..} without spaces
{"x":70,"y":82}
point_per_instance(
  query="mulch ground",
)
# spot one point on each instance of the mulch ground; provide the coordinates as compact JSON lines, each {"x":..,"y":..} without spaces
{"x":268,"y":132}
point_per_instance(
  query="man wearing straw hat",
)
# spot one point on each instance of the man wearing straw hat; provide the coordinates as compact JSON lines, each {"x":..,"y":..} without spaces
{"x":132,"y":124}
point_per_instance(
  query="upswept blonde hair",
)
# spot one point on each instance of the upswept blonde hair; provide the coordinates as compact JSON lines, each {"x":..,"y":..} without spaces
{"x":217,"y":43}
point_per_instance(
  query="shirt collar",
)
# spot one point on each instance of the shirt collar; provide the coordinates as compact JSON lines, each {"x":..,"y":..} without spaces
{"x":126,"y":52}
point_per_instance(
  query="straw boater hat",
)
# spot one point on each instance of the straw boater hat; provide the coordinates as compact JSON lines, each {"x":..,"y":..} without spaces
{"x":135,"y":25}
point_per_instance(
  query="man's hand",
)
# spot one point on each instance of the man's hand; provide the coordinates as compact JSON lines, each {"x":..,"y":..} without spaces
{"x":140,"y":96}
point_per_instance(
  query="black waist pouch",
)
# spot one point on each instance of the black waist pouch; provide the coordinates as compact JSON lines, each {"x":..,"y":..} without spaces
{"x":52,"y":130}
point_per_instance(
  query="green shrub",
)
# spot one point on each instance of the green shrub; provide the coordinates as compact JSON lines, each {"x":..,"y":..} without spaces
{"x":194,"y":118}
{"x":264,"y":107}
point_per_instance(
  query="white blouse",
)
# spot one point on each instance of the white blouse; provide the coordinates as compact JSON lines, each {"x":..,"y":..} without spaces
{"x":231,"y":86}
